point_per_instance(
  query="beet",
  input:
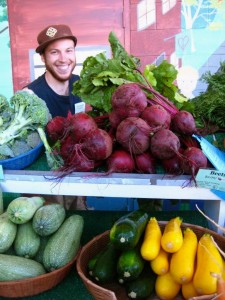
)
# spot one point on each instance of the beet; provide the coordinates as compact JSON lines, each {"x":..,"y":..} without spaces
{"x":183,"y":122}
{"x":145,"y":163}
{"x":97,"y":144}
{"x":78,"y":125}
{"x":156,"y":117}
{"x":120,"y":161}
{"x":193,"y":160}
{"x":134,"y":135}
{"x":56,"y":128}
{"x":164,"y":144}
{"x":129,"y":100}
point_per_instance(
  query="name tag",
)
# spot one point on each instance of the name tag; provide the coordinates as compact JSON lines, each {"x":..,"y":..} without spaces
{"x":79,"y":107}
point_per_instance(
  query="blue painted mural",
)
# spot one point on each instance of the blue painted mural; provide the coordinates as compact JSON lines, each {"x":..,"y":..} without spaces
{"x":6,"y":85}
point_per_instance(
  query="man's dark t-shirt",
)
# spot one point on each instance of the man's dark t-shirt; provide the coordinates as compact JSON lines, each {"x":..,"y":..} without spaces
{"x":58,"y":105}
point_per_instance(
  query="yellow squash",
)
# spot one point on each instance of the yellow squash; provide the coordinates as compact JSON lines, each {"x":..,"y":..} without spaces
{"x":160,"y":265}
{"x":152,"y":240}
{"x":172,"y":237}
{"x":209,"y":261}
{"x":182,"y":264}
{"x":188,"y":290}
{"x":165,"y":287}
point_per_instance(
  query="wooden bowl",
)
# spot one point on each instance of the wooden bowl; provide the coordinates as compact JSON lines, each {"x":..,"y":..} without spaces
{"x":35,"y":285}
{"x":115,"y":291}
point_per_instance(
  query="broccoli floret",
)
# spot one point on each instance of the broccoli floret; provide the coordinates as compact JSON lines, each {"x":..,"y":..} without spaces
{"x":20,"y":147}
{"x":30,"y":112}
{"x":33,"y":139}
{"x":6,"y":152}
{"x":6,"y":113}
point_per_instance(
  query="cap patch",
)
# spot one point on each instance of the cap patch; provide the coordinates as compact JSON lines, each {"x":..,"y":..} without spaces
{"x":51,"y":32}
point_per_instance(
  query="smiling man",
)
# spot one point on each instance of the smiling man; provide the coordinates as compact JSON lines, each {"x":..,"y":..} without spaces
{"x":57,"y":49}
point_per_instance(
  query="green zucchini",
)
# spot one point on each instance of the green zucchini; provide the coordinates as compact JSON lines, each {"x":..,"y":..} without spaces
{"x":15,"y":267}
{"x":127,"y":230}
{"x":22,"y":209}
{"x":130,"y":265}
{"x":48,"y":218}
{"x":27,"y":241}
{"x":92,"y":262}
{"x":63,"y":245}
{"x":8,"y":232}
{"x":142,"y":287}
{"x":104,"y":269}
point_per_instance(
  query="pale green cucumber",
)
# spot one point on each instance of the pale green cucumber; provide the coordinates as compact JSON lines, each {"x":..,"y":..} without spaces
{"x":8,"y":232}
{"x":22,"y":209}
{"x":48,"y":218}
{"x":27,"y":241}
{"x":63,"y":245}
{"x":14,"y":268}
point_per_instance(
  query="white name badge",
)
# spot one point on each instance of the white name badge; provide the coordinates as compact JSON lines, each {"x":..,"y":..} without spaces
{"x":79,"y":107}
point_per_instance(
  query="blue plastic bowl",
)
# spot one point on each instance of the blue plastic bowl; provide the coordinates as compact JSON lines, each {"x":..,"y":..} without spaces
{"x":22,"y":161}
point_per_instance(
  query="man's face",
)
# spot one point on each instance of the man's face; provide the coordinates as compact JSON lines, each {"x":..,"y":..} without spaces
{"x":59,"y":58}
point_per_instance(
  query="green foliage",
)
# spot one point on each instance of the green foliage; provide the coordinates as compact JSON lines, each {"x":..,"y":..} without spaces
{"x":209,"y":106}
{"x":101,"y":76}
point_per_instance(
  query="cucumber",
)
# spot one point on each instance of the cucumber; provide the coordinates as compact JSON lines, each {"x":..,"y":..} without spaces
{"x":22,"y":209}
{"x":63,"y":245}
{"x":142,"y":287}
{"x":27,"y":241}
{"x":8,"y":232}
{"x":39,"y":255}
{"x":15,"y":267}
{"x":48,"y":218}
{"x":127,"y":230}
{"x":104,"y":269}
{"x":130,"y":265}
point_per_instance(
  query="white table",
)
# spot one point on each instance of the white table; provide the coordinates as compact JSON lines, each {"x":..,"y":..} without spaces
{"x":156,"y":186}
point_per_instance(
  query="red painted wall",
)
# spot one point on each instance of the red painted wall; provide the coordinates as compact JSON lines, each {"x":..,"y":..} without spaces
{"x":90,"y":21}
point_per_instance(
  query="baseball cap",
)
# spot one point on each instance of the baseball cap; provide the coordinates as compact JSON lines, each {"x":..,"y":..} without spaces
{"x":53,"y":33}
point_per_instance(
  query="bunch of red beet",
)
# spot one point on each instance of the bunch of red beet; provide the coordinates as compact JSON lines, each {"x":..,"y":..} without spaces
{"x":143,"y":134}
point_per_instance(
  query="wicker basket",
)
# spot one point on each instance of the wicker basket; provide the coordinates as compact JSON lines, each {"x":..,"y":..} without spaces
{"x":22,"y":161}
{"x":36,"y":285}
{"x":115,"y":291}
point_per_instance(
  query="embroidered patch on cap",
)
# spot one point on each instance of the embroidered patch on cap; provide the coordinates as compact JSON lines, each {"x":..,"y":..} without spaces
{"x":51,"y":32}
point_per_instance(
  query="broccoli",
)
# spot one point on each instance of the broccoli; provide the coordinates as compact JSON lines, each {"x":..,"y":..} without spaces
{"x":20,"y":147}
{"x":33,"y":139}
{"x":30,"y":112}
{"x":6,"y":113}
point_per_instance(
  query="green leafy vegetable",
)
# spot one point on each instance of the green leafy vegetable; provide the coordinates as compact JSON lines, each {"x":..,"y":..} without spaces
{"x":101,"y":76}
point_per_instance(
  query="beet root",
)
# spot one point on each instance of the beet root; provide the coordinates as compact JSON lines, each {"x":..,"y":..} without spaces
{"x":164,"y":144}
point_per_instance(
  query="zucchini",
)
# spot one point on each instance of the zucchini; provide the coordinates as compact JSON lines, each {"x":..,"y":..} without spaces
{"x":104,"y":269}
{"x":48,"y":218}
{"x":130,"y":265}
{"x":22,"y":209}
{"x":92,"y":262}
{"x":127,"y":230}
{"x":15,"y":267}
{"x":63,"y":245}
{"x":8,"y":232}
{"x":142,"y":287}
{"x":27,"y":241}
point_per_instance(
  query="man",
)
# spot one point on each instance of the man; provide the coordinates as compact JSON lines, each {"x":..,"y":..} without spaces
{"x":56,"y":45}
{"x":57,"y":49}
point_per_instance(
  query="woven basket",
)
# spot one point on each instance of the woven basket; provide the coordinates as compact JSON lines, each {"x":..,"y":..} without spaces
{"x":22,"y":161}
{"x":115,"y":291}
{"x":36,"y":285}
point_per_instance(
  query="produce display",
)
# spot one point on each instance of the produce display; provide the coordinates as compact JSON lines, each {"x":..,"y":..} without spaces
{"x":36,"y":238}
{"x":139,"y":121}
{"x":151,"y":260}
